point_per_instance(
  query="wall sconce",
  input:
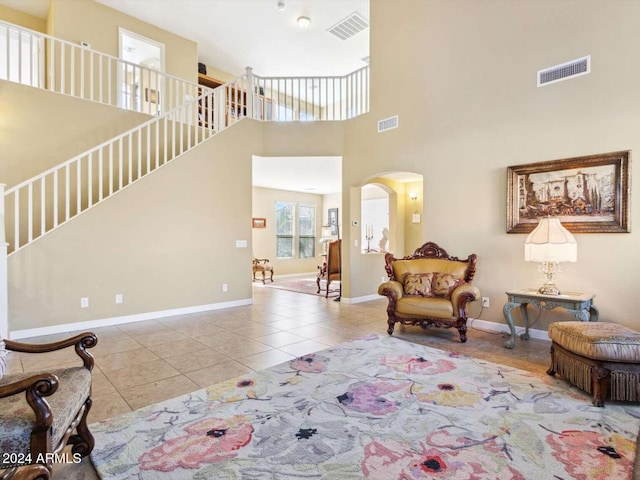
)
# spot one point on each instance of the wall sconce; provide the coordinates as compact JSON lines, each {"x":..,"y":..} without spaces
{"x":550,"y":243}
{"x":413,"y":195}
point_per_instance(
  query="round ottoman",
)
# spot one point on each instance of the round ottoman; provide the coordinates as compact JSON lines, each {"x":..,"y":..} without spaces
{"x":598,"y":357}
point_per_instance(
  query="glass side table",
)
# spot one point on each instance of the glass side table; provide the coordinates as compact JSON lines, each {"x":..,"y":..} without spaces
{"x":580,"y":305}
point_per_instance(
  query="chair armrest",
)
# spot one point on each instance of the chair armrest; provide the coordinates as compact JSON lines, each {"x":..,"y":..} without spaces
{"x":391,"y":288}
{"x":36,"y":387}
{"x":81,"y":342}
{"x":463,"y":294}
{"x":44,"y":384}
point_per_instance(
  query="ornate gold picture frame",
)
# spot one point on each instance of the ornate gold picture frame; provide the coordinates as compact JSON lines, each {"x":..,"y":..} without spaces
{"x":587,"y":194}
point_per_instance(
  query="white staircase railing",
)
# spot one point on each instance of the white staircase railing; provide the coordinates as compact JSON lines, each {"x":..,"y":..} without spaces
{"x":185,"y":115}
{"x":91,"y":75}
{"x":193,"y":114}
{"x":286,"y":99}
{"x":88,"y":74}
{"x":39,"y":205}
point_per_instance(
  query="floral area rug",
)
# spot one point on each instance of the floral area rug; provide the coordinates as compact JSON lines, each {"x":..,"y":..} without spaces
{"x":378,"y":408}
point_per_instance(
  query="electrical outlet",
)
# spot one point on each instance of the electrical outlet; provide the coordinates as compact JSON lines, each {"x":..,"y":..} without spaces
{"x":225,"y":287}
{"x":119,"y":298}
{"x":485,"y":302}
{"x":84,"y":302}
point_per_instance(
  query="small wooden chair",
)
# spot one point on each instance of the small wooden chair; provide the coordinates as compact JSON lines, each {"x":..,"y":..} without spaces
{"x":261,"y":265}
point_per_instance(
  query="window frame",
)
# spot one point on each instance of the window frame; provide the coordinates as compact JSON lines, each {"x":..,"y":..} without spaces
{"x":295,"y":237}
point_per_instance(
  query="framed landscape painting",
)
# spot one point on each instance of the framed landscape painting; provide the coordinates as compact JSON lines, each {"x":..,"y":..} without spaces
{"x":587,"y":194}
{"x":259,"y":222}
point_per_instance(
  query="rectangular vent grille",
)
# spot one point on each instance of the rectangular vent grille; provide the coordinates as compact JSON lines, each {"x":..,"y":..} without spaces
{"x":387,"y":124}
{"x":349,"y":26}
{"x":564,"y":71}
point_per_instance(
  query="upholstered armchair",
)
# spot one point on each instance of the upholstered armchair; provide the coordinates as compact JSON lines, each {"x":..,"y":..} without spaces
{"x":39,"y":411}
{"x":262,"y":266}
{"x":429,"y":289}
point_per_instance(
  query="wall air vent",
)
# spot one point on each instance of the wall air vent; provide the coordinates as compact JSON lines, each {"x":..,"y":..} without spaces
{"x":348,"y":27}
{"x":387,"y":124}
{"x":564,"y":71}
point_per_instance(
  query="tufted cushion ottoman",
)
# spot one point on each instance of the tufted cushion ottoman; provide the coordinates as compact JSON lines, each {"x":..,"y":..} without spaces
{"x":598,"y":357}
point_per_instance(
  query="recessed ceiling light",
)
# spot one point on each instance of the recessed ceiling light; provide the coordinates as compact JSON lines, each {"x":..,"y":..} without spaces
{"x":304,"y":22}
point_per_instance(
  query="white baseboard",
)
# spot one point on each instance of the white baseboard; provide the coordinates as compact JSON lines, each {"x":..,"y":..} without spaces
{"x":504,"y":328}
{"x":365,"y":298}
{"x":138,"y":317}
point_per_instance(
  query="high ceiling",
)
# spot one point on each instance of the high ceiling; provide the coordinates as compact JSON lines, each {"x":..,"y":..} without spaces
{"x":234,"y":34}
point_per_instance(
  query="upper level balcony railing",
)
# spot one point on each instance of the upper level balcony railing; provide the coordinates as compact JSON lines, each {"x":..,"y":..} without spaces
{"x":184,"y":114}
{"x":39,"y":60}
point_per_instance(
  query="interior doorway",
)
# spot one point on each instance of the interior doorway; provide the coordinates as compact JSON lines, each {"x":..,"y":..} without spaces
{"x":140,"y":87}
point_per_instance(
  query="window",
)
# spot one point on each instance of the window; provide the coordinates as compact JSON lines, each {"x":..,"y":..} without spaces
{"x":295,"y":225}
{"x":284,"y":229}
{"x":307,"y":229}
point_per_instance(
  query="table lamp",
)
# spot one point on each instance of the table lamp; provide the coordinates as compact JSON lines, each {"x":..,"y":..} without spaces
{"x":550,"y":244}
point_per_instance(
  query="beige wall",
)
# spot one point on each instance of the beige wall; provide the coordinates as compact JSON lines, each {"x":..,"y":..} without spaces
{"x":89,"y":21}
{"x":39,"y":129}
{"x":264,"y":239}
{"x":167,"y":242}
{"x":23,"y":19}
{"x":469,"y":107}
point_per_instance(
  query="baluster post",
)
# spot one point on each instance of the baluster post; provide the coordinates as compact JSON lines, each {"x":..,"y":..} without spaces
{"x":4,"y":285}
{"x":250,"y":93}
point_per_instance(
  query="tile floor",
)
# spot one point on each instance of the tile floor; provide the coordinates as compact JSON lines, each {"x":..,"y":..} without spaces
{"x":138,"y":364}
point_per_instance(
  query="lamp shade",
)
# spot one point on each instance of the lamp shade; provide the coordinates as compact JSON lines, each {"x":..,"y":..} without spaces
{"x":550,"y":242}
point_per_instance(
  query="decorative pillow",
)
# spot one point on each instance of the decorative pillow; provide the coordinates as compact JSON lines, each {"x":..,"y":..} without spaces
{"x":3,"y":357}
{"x":418,"y":284}
{"x":444,"y":284}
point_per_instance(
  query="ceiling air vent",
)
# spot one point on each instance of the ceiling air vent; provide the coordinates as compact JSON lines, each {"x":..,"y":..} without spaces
{"x":564,"y":71}
{"x":349,"y":26}
{"x":387,"y":124}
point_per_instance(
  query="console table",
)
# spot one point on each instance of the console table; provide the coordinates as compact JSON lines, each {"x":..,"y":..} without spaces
{"x":580,"y":305}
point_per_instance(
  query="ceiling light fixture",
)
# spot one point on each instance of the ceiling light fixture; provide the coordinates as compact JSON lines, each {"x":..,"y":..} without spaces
{"x":280,"y":5}
{"x":304,"y":22}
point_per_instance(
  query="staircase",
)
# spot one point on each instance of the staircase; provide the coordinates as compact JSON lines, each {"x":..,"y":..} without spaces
{"x":182,"y":116}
